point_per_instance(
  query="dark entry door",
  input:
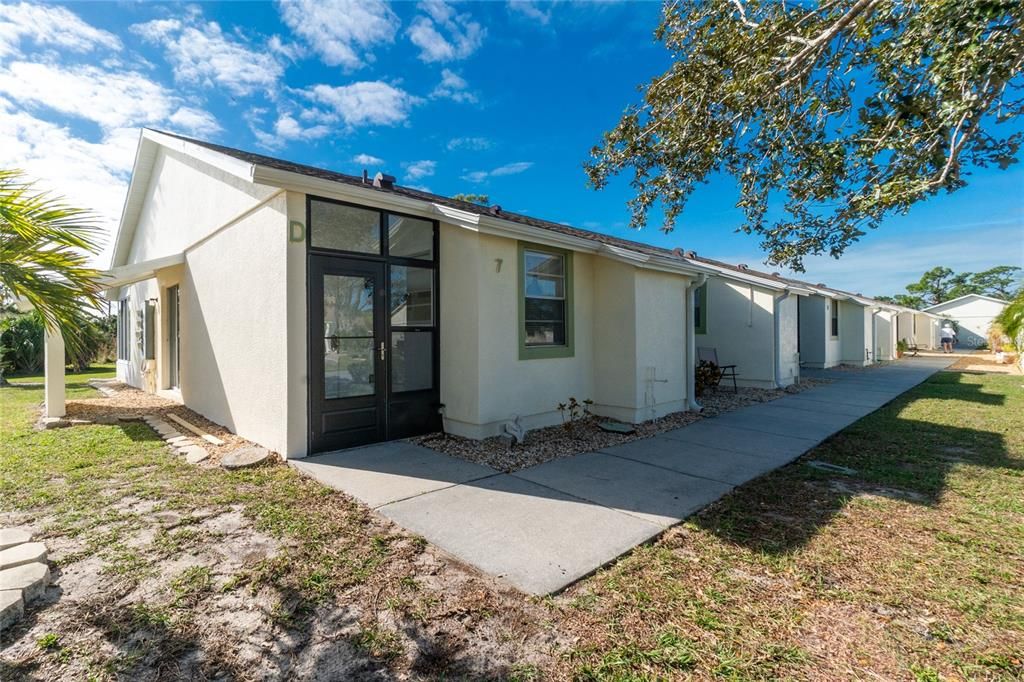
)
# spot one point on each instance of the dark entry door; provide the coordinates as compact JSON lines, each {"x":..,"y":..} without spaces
{"x":348,"y":352}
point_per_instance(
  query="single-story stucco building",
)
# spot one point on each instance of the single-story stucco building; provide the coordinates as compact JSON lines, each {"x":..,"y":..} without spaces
{"x":750,"y":319}
{"x":308,"y":310}
{"x":973,"y":314}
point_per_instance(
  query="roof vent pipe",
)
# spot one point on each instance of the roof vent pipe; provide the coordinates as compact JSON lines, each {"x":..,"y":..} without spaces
{"x":384,"y":181}
{"x":691,"y":254}
{"x":495,"y":210}
{"x":743,"y":266}
{"x":366,"y":177}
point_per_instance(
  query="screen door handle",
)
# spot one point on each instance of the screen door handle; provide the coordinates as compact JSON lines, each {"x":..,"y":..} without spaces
{"x":383,"y":349}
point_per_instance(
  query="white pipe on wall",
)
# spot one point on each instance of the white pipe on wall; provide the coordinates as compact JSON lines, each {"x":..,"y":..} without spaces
{"x":777,"y":348}
{"x":691,"y":344}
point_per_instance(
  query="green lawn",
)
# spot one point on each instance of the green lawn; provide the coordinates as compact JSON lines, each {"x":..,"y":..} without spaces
{"x":912,"y":568}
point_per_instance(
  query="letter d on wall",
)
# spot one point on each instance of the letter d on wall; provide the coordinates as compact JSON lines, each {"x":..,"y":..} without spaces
{"x":296,"y":231}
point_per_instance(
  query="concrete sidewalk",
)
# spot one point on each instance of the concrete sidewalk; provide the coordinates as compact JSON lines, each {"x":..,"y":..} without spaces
{"x":544,"y":527}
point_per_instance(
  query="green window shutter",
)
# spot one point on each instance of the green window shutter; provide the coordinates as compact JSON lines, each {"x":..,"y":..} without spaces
{"x":546,"y":306}
{"x":700,"y":305}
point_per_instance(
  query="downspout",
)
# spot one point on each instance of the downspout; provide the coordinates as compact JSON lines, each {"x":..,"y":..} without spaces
{"x":691,"y":345}
{"x":777,"y":350}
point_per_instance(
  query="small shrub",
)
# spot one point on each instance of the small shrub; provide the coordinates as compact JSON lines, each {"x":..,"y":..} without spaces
{"x":48,"y":642}
{"x":706,"y":376}
{"x":574,"y":411}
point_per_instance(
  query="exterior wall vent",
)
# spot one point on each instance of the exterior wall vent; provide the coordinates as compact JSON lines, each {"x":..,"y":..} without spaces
{"x":384,"y":181}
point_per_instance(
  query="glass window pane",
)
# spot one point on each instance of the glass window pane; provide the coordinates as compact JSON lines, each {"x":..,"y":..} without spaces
{"x":348,"y":367}
{"x":552,"y":287}
{"x":347,"y":228}
{"x":412,"y":361}
{"x":544,"y":310}
{"x":540,"y":263}
{"x":545,"y":334}
{"x":348,"y":306}
{"x":410,"y":237}
{"x":412,"y":296}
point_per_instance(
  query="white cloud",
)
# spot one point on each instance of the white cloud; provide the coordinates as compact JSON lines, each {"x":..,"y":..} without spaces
{"x":512,"y":168}
{"x":92,"y":175}
{"x":108,"y":98}
{"x":414,"y":170}
{"x":507,"y":169}
{"x":530,"y":10}
{"x":453,"y":86}
{"x":367,"y":160}
{"x":427,"y":32}
{"x":200,"y":52}
{"x":287,"y":128}
{"x":341,"y":31}
{"x":364,"y":103}
{"x":46,"y":25}
{"x":195,"y":121}
{"x":472,"y":143}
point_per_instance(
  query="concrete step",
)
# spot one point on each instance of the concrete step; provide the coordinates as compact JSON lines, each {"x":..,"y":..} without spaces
{"x":26,"y":553}
{"x":31,"y":579}
{"x":9,"y":537}
{"x":12,"y":608}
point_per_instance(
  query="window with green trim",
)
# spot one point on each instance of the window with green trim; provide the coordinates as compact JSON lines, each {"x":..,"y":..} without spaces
{"x":700,"y":309}
{"x":545,"y":302}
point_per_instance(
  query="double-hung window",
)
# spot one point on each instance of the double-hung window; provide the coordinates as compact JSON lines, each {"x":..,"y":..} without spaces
{"x":835,"y":318}
{"x":545,"y":305}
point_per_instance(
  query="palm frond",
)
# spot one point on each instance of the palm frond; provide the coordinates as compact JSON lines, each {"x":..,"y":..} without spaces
{"x":45,"y":248}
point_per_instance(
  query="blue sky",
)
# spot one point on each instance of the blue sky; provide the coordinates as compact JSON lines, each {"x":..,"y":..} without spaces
{"x":498,"y":98}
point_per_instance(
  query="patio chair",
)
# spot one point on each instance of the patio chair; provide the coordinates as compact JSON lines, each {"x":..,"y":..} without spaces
{"x":724,"y":371}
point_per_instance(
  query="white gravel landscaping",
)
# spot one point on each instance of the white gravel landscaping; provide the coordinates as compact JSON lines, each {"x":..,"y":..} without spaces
{"x":549,"y":443}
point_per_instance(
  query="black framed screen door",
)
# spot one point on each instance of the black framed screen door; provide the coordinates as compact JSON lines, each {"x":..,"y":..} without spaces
{"x":372,"y":371}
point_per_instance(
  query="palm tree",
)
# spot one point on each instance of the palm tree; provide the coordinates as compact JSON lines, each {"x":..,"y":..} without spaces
{"x":45,"y":246}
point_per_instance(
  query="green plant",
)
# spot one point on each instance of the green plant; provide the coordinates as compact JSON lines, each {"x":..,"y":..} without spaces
{"x":706,"y":376}
{"x":1011,"y":320}
{"x":574,"y":411}
{"x":48,"y":642}
{"x":45,"y":246}
{"x":901,"y":346}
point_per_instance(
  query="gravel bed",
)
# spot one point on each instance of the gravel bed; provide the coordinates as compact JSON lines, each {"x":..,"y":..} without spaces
{"x":552,"y":442}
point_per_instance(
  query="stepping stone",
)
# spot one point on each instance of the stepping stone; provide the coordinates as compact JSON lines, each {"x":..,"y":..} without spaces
{"x":245,"y":457}
{"x":32,"y":579}
{"x":19,"y":555}
{"x":12,"y":607}
{"x":196,"y":456}
{"x":9,"y":537}
{"x":179,"y":440}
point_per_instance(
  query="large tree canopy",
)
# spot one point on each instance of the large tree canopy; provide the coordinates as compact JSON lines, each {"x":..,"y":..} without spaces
{"x":836,"y":113}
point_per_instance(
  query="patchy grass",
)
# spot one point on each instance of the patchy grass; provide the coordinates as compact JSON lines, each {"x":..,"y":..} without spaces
{"x":911,"y":568}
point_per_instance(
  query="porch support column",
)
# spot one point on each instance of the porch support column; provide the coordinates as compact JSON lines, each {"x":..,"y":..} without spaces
{"x":53,"y":357}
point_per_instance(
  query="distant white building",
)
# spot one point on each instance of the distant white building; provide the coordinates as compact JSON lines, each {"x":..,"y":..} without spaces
{"x":973,"y":314}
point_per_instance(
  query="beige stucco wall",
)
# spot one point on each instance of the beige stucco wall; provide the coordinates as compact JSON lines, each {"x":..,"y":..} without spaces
{"x":818,"y":348}
{"x":855,"y":333}
{"x":233,"y":297}
{"x":639,"y":324}
{"x":741,"y":327}
{"x":789,"y":356}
